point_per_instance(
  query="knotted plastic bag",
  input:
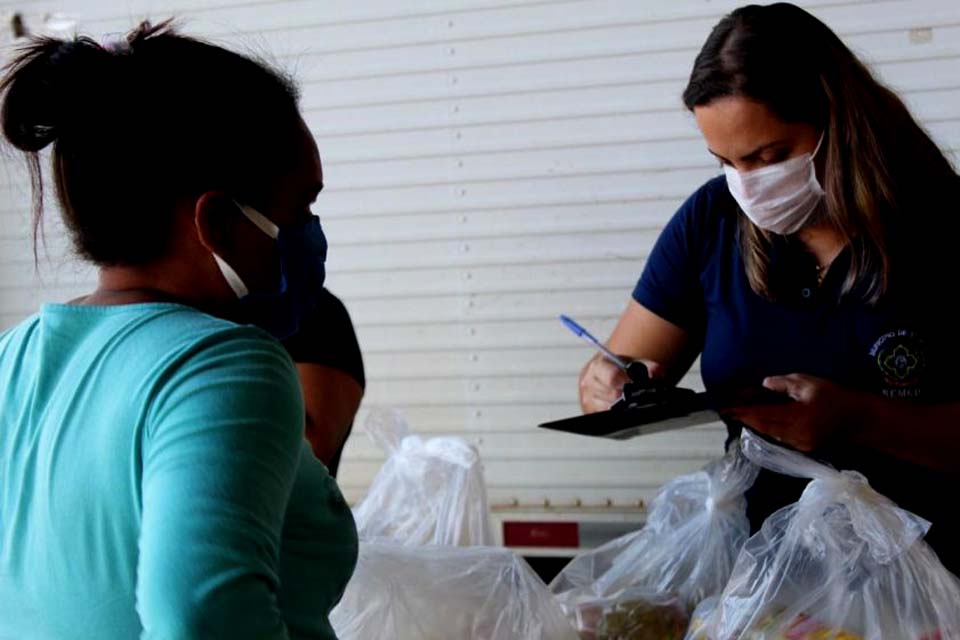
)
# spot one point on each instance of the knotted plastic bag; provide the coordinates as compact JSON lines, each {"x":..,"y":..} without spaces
{"x":843,"y":563}
{"x":429,"y":491}
{"x":446,"y":593}
{"x":646,"y":583}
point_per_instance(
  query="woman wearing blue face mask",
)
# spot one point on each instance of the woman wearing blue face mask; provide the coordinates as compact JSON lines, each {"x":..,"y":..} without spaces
{"x":818,"y":266}
{"x":154,"y":477}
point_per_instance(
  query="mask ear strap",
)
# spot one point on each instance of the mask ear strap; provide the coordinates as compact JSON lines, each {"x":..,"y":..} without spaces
{"x":263,"y":222}
{"x":819,"y":144}
{"x":232,"y":277}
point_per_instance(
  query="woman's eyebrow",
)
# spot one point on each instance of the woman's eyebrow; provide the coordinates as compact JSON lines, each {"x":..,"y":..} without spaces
{"x":753,"y":154}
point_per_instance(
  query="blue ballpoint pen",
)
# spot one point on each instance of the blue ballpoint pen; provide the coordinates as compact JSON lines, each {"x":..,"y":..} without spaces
{"x":571,"y":324}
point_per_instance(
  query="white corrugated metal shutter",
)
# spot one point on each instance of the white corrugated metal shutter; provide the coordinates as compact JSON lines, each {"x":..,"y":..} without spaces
{"x":489,"y":165}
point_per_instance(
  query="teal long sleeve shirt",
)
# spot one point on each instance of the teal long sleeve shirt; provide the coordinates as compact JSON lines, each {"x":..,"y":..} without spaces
{"x":155,"y":483}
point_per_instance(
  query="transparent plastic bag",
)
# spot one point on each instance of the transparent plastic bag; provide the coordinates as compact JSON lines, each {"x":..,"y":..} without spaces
{"x":429,"y":491}
{"x":843,"y":563}
{"x":446,"y":593}
{"x":685,"y":553}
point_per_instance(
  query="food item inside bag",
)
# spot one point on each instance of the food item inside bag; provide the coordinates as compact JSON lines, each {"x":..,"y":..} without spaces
{"x":446,"y":593}
{"x":429,"y":491}
{"x":843,"y":563}
{"x":696,"y":526}
{"x":633,"y":615}
{"x":775,"y":626}
{"x":699,"y":618}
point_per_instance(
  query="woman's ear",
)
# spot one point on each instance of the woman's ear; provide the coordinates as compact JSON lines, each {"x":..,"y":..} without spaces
{"x":211,"y":215}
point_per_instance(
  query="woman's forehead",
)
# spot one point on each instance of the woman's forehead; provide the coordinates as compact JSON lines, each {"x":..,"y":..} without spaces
{"x":735,"y":126}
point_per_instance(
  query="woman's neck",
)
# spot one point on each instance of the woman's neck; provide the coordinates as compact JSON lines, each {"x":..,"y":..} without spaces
{"x":118,"y":285}
{"x":823,"y":241}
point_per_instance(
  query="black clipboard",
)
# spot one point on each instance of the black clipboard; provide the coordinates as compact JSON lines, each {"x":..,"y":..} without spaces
{"x":644,"y":410}
{"x":660,"y":410}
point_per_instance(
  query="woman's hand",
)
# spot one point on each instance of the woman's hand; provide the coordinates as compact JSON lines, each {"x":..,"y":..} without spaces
{"x":601,"y":382}
{"x":820,"y":411}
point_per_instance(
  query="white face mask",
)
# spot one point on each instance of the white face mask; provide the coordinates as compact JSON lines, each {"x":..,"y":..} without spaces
{"x":780,"y":198}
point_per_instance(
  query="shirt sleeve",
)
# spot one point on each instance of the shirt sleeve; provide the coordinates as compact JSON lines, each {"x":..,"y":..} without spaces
{"x":670,"y":284}
{"x":327,"y":337}
{"x":220,"y":452}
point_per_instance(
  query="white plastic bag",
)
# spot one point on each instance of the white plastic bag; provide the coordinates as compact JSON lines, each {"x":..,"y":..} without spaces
{"x":446,"y":593}
{"x":427,"y":492}
{"x":843,"y":563}
{"x":654,"y":577}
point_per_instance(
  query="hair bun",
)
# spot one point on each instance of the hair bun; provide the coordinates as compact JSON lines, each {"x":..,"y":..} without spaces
{"x":46,"y":87}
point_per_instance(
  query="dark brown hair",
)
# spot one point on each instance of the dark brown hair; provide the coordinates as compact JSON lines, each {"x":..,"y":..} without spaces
{"x":138,"y":124}
{"x":881,"y":166}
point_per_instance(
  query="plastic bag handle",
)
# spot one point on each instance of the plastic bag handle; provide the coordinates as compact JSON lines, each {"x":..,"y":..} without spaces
{"x":387,"y":428}
{"x":887,"y":529}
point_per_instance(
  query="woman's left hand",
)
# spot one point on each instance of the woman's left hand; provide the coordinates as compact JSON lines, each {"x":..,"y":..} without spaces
{"x":820,"y":411}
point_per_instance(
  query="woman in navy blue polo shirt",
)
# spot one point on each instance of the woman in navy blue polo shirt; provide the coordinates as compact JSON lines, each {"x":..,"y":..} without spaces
{"x":819,"y":266}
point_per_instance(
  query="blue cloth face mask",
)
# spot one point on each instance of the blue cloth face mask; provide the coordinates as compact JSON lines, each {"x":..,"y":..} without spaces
{"x":303,"y":253}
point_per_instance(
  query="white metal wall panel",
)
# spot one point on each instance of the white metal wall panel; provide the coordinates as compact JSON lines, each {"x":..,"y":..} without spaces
{"x":490,"y":164}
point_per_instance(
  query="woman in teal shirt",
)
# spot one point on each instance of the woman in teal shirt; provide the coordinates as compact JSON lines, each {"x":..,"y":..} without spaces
{"x":154,"y":478}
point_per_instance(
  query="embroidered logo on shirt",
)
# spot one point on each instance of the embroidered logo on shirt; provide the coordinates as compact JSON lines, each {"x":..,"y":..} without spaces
{"x":900,"y":357}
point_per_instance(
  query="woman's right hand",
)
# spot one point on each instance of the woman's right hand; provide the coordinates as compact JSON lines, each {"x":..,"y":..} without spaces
{"x":638,"y":331}
{"x":601,"y":383}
